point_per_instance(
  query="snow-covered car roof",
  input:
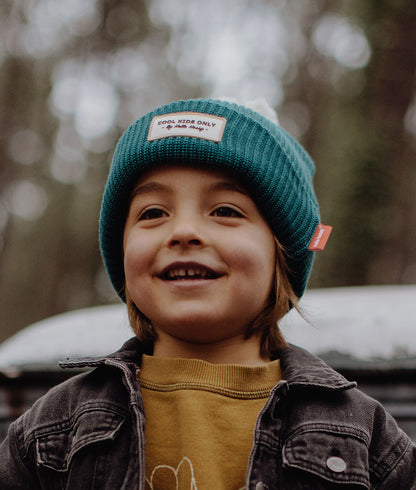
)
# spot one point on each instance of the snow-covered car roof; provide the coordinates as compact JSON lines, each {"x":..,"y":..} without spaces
{"x":368,"y":324}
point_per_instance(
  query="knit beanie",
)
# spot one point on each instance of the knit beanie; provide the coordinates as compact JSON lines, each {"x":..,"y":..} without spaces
{"x":216,"y":134}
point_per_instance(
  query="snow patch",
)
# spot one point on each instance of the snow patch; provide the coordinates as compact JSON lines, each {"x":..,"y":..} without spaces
{"x":362,"y":322}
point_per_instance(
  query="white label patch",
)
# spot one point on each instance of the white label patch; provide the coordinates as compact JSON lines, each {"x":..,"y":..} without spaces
{"x":194,"y":124}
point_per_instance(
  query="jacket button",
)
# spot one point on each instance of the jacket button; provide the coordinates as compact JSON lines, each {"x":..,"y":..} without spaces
{"x":338,"y":465}
{"x":261,"y":486}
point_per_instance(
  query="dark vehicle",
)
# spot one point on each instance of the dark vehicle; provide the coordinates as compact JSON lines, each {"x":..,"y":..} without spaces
{"x":366,"y":333}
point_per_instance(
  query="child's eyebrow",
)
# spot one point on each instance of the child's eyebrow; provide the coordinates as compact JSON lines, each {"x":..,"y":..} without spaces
{"x":227,"y":186}
{"x":148,"y":188}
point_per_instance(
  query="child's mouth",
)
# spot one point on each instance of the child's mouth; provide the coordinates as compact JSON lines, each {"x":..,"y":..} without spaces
{"x":189,"y":273}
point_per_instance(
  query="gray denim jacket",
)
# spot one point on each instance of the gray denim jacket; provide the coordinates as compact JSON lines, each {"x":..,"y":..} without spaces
{"x":316,"y":431}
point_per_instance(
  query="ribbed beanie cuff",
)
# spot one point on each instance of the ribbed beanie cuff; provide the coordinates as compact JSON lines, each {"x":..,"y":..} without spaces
{"x":273,"y":167}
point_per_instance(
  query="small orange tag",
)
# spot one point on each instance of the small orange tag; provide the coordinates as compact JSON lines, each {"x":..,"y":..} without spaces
{"x":320,"y":237}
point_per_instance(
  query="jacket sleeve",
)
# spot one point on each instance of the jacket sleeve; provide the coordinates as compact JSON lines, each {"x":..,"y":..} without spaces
{"x":16,"y":471}
{"x":392,"y":454}
{"x":403,"y":475}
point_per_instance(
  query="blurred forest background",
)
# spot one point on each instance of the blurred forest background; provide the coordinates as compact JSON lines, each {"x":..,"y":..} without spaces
{"x":75,"y":73}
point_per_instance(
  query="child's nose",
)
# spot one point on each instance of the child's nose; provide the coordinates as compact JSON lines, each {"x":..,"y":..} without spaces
{"x":185,"y":232}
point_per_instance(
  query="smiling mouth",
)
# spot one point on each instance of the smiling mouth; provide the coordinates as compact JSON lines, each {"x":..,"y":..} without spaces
{"x":188,"y":273}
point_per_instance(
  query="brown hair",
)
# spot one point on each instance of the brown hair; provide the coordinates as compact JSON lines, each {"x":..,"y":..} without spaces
{"x":282,"y":298}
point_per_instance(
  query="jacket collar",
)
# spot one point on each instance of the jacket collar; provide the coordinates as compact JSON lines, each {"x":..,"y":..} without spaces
{"x":299,"y":367}
{"x":131,"y":352}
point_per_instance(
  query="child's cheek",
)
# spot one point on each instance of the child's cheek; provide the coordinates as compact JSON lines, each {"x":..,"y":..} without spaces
{"x":256,"y":263}
{"x":131,"y":260}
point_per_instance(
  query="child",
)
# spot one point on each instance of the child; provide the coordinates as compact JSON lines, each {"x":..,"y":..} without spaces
{"x":208,"y":226}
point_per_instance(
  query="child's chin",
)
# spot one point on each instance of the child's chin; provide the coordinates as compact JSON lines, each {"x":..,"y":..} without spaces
{"x":199,"y":332}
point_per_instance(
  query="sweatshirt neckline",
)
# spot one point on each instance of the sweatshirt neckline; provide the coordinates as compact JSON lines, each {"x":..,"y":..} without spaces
{"x":195,"y":372}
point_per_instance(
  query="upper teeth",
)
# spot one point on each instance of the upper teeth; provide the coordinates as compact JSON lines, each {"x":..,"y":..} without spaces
{"x":182,"y":271}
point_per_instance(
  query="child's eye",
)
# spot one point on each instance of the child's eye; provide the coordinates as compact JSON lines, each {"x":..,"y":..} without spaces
{"x":226,"y":212}
{"x":152,"y":213}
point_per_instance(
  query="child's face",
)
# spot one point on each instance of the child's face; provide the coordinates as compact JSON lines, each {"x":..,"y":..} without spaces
{"x":199,"y":258}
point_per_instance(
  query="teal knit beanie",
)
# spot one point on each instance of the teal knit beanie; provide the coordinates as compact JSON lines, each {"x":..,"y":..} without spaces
{"x":216,"y":134}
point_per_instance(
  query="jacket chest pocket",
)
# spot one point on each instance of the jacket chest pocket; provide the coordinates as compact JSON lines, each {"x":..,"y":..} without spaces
{"x":324,"y":457}
{"x":75,"y":453}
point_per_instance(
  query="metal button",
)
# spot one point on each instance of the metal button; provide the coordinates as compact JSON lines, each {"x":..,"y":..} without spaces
{"x":338,"y":465}
{"x":261,"y":486}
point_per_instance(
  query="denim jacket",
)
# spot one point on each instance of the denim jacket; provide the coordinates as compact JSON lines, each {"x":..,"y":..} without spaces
{"x":316,"y":431}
